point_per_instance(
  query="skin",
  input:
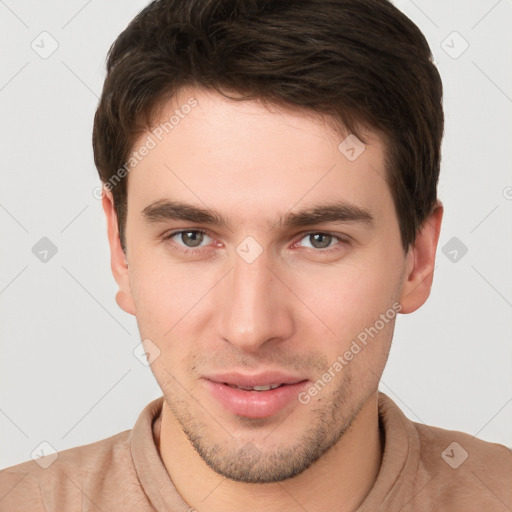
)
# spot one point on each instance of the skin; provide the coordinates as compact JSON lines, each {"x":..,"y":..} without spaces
{"x":295,"y":308}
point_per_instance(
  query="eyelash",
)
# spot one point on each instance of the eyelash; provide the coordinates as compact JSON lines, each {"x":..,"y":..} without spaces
{"x":187,"y":250}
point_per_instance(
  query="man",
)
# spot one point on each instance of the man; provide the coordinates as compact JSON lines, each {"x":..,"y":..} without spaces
{"x":269,"y":173}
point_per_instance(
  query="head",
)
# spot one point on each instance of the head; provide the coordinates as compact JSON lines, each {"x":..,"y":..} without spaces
{"x":296,"y":146}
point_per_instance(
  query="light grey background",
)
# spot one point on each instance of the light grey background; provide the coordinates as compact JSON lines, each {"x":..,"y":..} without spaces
{"x":68,"y":375}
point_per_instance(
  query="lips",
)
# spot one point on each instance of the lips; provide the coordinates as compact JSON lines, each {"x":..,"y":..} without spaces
{"x":241,"y":380}
{"x":255,"y":396}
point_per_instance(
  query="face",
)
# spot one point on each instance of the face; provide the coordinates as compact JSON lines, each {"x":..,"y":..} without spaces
{"x":260,"y":253}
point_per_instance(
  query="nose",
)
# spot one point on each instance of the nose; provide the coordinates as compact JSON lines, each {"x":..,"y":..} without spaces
{"x":255,"y":306}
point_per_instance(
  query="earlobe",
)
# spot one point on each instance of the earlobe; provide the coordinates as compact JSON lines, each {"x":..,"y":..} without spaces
{"x":118,"y":260}
{"x":420,"y":262}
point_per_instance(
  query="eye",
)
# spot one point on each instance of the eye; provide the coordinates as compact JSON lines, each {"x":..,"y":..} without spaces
{"x":320,"y":240}
{"x":188,"y":239}
{"x":192,"y":241}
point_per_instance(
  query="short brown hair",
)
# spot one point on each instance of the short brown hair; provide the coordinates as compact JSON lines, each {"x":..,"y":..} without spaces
{"x":361,"y":63}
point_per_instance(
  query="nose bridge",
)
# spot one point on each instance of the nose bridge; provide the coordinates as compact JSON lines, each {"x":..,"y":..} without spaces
{"x":257,"y":309}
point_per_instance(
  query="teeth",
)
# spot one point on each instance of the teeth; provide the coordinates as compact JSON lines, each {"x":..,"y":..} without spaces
{"x":266,"y":387}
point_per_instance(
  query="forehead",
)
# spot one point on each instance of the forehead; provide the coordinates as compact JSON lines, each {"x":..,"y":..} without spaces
{"x":249,"y":158}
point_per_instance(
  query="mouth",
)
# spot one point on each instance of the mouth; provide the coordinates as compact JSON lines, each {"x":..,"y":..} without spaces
{"x":255,"y":396}
{"x":265,"y":387}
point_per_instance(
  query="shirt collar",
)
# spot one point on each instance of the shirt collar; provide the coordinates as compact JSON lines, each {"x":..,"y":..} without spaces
{"x":149,"y":466}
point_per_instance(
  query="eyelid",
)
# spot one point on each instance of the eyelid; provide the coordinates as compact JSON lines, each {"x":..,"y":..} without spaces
{"x":342,"y":239}
{"x":183,"y":248}
{"x":190,"y":230}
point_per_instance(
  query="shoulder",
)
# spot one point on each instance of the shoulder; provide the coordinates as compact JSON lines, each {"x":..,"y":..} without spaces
{"x":462,"y":469}
{"x":59,"y":478}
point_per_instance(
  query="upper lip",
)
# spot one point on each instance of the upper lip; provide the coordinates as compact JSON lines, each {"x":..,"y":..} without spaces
{"x":256,"y":379}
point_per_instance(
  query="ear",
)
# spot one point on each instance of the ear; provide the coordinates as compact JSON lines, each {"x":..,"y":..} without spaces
{"x":420,"y":261}
{"x":118,"y":261}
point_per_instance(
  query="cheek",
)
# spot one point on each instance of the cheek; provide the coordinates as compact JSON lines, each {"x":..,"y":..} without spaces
{"x":350,"y":297}
{"x":161,"y":294}
{"x":355,"y":291}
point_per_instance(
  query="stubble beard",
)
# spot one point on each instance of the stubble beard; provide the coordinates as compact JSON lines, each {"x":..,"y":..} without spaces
{"x":244,"y":461}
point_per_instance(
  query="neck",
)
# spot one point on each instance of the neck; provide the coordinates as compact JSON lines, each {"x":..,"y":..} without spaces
{"x":339,"y":480}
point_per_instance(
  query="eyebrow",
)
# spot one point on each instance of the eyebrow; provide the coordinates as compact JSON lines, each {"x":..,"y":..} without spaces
{"x":333,"y":211}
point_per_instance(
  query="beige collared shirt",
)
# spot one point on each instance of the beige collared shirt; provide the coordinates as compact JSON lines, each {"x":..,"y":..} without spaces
{"x":423,"y":469}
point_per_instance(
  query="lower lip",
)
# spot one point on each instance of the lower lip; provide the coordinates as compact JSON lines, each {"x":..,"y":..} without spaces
{"x":255,"y":404}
